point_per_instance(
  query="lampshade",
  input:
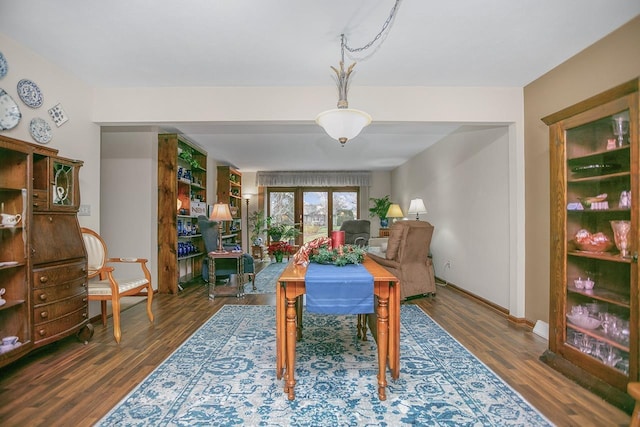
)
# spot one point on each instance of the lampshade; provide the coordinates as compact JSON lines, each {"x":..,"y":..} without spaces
{"x":247,"y":196}
{"x":343,"y":124}
{"x":417,"y":207}
{"x":221,"y":212}
{"x":394,"y":211}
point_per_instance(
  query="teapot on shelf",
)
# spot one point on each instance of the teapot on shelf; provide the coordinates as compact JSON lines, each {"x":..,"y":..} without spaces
{"x":10,"y":220}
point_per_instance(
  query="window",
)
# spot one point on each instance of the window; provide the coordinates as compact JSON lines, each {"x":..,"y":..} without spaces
{"x":316,"y":211}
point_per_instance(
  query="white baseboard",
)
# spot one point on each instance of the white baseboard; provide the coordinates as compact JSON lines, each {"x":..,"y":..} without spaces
{"x":541,"y":329}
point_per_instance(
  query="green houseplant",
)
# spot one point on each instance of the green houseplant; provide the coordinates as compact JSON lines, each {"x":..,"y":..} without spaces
{"x":280,"y":232}
{"x":379,"y":209}
{"x":257,"y":223}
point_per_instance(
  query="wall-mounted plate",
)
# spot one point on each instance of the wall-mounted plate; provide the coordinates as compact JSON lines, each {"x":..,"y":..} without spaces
{"x":4,"y":66}
{"x":9,"y":112}
{"x":40,"y":130}
{"x":30,"y":93}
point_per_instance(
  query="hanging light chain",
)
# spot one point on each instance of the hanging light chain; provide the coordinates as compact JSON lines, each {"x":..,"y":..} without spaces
{"x":376,"y":38}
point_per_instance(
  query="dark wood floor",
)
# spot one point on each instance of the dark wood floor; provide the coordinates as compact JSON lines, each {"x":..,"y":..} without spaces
{"x":72,"y":384}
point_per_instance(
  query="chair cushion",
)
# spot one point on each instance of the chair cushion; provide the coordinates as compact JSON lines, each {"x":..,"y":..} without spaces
{"x":396,"y":237}
{"x":102,"y":287}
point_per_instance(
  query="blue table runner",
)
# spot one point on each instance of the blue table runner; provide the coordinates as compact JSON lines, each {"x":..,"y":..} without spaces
{"x":339,"y":290}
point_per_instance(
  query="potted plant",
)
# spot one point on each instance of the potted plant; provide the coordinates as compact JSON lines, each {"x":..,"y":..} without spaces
{"x":379,"y":209}
{"x":278,"y":232}
{"x":256,"y":224}
{"x":279,"y":249}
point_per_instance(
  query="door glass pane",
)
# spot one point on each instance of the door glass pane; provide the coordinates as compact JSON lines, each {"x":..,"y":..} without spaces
{"x":345,"y":207}
{"x":281,"y":207}
{"x":315,"y":215}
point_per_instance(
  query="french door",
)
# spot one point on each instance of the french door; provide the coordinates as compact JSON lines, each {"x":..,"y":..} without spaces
{"x":316,"y":211}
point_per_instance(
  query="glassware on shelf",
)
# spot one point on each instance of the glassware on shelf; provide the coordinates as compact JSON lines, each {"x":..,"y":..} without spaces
{"x":625,"y":200}
{"x":620,"y":129}
{"x":621,"y":231}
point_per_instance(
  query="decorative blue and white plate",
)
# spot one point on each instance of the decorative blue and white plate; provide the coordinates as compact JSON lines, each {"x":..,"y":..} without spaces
{"x":9,"y":112}
{"x":40,"y":130}
{"x":4,"y":66}
{"x":30,"y":93}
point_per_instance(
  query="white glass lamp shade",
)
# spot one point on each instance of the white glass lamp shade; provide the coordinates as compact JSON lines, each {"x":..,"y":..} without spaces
{"x":417,"y":207}
{"x":221,"y":212}
{"x":343,"y":124}
{"x":394,"y":211}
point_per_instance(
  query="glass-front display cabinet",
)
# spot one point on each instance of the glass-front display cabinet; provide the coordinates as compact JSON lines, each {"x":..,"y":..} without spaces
{"x":54,"y":183}
{"x":593,"y":331}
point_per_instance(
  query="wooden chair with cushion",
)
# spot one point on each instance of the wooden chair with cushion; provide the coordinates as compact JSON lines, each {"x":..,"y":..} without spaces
{"x":103,"y":286}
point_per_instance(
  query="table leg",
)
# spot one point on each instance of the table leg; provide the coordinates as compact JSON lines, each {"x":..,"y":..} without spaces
{"x":280,"y":330}
{"x":240,"y":278}
{"x":299,"y":304}
{"x":394,"y":330}
{"x":290,"y":381}
{"x":383,"y":345}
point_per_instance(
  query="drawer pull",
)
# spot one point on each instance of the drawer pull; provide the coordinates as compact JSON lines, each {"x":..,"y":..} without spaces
{"x":43,"y":297}
{"x":84,"y":315}
{"x":44,"y":314}
{"x":44,"y":279}
{"x":35,"y":195}
{"x":36,"y":205}
{"x":50,"y":219}
{"x":42,"y":332}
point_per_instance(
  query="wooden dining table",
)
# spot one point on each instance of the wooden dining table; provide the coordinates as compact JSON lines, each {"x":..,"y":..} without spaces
{"x":289,"y":291}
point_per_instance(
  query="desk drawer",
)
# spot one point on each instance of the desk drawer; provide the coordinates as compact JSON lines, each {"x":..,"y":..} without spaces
{"x":48,"y":312}
{"x":49,"y":294}
{"x":67,"y":325}
{"x":40,"y":200}
{"x":61,"y":274}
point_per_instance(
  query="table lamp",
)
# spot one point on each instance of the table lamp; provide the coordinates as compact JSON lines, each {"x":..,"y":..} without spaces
{"x":220,"y":213}
{"x":394,"y":212}
{"x":417,"y":207}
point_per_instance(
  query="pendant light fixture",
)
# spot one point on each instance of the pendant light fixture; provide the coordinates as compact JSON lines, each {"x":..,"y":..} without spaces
{"x":344,"y":123}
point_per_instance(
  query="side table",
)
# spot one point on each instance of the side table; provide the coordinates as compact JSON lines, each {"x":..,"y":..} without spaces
{"x":257,"y":252}
{"x":221,"y":290}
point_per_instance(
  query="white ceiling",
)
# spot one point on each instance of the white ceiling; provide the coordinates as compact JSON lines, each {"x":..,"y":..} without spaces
{"x":164,"y":43}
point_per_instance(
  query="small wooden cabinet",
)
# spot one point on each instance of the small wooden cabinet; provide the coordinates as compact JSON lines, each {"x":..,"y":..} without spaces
{"x":182,"y":180}
{"x":594,"y":307}
{"x":43,"y":261}
{"x":230,"y":192}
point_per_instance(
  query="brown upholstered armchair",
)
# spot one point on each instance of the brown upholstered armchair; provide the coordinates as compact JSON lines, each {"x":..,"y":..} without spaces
{"x":407,"y":257}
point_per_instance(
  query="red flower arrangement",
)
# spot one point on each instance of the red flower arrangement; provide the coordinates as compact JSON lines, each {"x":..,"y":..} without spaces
{"x":280,"y":248}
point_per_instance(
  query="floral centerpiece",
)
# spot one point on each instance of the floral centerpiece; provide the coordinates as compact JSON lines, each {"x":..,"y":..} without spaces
{"x":342,"y":255}
{"x":279,"y":249}
{"x":321,"y":251}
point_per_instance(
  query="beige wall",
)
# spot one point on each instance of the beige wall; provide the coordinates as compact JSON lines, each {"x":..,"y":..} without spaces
{"x":609,"y":62}
{"x":79,"y":138}
{"x":464,"y":182}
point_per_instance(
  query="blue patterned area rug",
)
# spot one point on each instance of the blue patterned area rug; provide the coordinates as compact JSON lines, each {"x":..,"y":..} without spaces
{"x":224,"y":375}
{"x":266,"y":279}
